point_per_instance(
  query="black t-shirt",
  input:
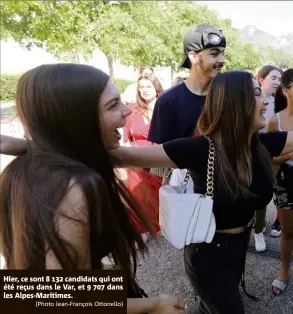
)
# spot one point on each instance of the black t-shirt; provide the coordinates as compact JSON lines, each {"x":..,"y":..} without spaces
{"x":175,"y":114}
{"x":192,"y":153}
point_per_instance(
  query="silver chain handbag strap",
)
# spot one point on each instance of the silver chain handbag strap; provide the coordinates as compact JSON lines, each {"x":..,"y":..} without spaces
{"x":210,"y":170}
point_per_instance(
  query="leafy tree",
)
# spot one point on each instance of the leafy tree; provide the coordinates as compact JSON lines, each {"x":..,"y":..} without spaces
{"x":66,"y":28}
{"x":277,"y":57}
{"x":133,"y":32}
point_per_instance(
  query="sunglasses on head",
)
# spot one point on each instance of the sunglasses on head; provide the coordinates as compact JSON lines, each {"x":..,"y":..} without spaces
{"x":211,"y":38}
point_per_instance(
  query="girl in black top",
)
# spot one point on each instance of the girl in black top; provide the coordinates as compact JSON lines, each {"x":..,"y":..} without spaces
{"x":232,"y":115}
{"x":60,"y":202}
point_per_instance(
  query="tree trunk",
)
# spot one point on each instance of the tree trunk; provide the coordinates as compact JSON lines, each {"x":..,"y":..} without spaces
{"x":78,"y":58}
{"x":172,"y":75}
{"x":110,"y":66}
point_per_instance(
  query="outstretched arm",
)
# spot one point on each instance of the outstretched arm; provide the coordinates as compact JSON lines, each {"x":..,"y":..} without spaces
{"x":281,"y":159}
{"x":272,"y":126}
{"x":184,"y":153}
{"x":289,"y":144}
{"x":11,"y":145}
{"x":142,"y":157}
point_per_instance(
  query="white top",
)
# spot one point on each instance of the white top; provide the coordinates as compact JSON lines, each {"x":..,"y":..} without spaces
{"x":289,"y":162}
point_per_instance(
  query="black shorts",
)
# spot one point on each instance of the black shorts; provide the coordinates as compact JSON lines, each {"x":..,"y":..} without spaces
{"x":283,"y":190}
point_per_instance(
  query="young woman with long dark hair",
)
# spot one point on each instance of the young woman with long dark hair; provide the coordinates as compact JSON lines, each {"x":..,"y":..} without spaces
{"x":61,"y":205}
{"x":232,"y":116}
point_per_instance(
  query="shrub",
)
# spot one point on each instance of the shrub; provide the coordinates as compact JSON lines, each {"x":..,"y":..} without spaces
{"x":8,"y":86}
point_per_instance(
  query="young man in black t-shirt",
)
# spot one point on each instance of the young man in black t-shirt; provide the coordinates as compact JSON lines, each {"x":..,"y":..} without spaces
{"x":177,"y":110}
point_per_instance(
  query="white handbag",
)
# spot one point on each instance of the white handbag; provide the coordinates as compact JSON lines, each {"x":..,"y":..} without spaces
{"x":184,"y":216}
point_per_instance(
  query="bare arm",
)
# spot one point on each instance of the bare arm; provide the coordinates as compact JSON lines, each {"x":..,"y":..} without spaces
{"x":11,"y":145}
{"x":289,"y":144}
{"x":74,"y":229}
{"x":272,"y":126}
{"x":142,"y":157}
{"x":72,"y":226}
{"x":281,"y":159}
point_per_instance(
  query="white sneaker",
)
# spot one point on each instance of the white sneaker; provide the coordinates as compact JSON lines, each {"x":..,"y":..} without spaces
{"x":276,"y":229}
{"x":260,"y":244}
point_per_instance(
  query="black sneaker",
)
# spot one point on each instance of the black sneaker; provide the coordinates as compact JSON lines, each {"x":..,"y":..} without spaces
{"x":276,"y":228}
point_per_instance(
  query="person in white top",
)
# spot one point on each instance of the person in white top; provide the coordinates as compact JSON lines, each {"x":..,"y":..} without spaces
{"x":269,"y":78}
{"x":283,"y":191}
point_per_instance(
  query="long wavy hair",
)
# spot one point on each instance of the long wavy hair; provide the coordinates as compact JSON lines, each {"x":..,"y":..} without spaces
{"x":58,"y":106}
{"x":227,"y":117}
{"x":141,"y":106}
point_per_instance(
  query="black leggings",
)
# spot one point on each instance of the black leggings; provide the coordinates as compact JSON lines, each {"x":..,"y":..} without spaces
{"x":215,"y":270}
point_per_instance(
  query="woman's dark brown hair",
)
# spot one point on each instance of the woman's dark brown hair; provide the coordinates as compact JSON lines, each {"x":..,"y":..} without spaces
{"x":280,"y":100}
{"x":227,"y":117}
{"x":58,"y":105}
{"x":141,"y":106}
